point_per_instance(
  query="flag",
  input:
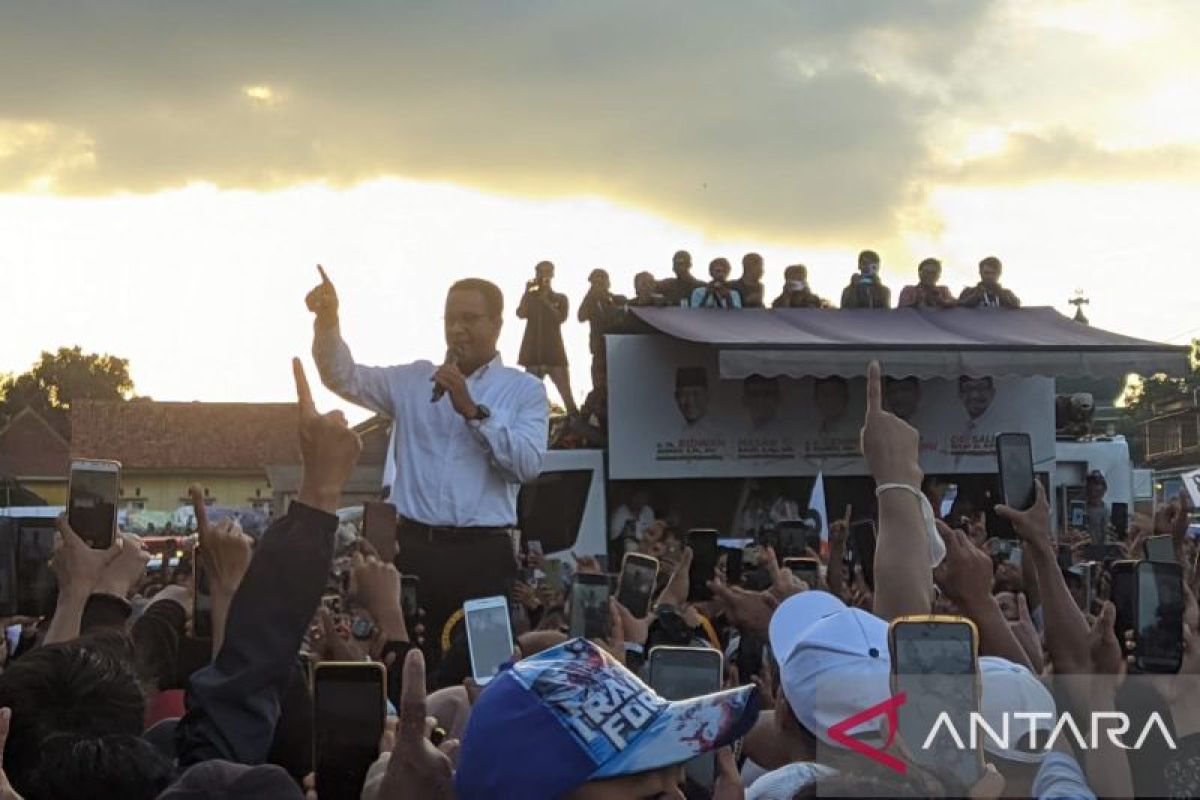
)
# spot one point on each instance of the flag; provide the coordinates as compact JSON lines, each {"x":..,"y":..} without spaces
{"x":816,"y":508}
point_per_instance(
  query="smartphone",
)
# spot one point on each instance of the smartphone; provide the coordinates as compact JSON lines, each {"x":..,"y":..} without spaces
{"x":1014,"y":457}
{"x":806,"y":569}
{"x":935,"y":663}
{"x":1078,"y":514}
{"x":92,"y":501}
{"x":348,"y":717}
{"x":1160,"y":548}
{"x":1158,"y":625}
{"x":703,"y":542}
{"x":862,"y":545}
{"x":792,"y":537}
{"x":635,"y":587}
{"x":535,"y":548}
{"x":408,"y":596}
{"x":201,"y":599}
{"x":28,"y":586}
{"x":489,"y":636}
{"x":1121,"y":592}
{"x":1118,"y":515}
{"x":735,"y":562}
{"x":1066,"y":559}
{"x":552,"y":568}
{"x":379,"y":524}
{"x":589,"y":607}
{"x":1088,"y":571}
{"x":681,"y":673}
{"x":948,"y":500}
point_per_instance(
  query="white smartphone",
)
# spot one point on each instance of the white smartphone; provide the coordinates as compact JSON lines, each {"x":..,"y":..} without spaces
{"x":489,"y":636}
{"x":92,"y":501}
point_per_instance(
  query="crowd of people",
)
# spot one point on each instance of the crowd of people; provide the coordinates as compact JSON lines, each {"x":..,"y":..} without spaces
{"x":122,"y":692}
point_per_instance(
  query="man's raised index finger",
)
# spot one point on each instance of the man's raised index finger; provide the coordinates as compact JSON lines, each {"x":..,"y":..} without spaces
{"x":874,"y":389}
{"x":324,"y":277}
{"x":412,"y":699}
{"x":303,"y":393}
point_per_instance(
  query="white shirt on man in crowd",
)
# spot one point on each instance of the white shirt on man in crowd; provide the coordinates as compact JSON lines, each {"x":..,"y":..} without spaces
{"x":448,"y":472}
{"x":642,"y":520}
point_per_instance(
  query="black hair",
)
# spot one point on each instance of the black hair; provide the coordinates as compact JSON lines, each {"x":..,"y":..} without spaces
{"x":932,"y":261}
{"x":751,"y":257}
{"x":113,"y":767}
{"x":493,"y":298}
{"x":991,"y":261}
{"x":967,"y":378}
{"x":868,"y":256}
{"x":68,"y":702}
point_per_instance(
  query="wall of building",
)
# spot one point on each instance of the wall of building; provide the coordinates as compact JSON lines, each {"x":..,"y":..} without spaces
{"x":166,"y":490}
{"x":52,"y":490}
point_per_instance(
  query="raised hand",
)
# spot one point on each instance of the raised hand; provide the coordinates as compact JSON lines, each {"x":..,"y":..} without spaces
{"x":966,"y":571}
{"x":376,"y":586}
{"x":323,"y":300}
{"x":678,"y":586}
{"x":1032,"y":526}
{"x":329,"y":448}
{"x":78,"y":567}
{"x":124,"y":571}
{"x":889,"y":444}
{"x":224,"y":550}
{"x":417,"y":769}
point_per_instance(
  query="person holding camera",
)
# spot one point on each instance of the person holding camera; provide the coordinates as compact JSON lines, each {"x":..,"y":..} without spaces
{"x":719,"y":293}
{"x":542,"y":351}
{"x":866,"y":290}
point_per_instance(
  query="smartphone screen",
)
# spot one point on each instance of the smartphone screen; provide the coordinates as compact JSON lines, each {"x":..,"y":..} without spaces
{"x":1078,"y":514}
{"x":1121,"y":591}
{"x":806,"y":569}
{"x":379,"y":528}
{"x":408,"y":596}
{"x":639,"y":574}
{"x":1014,"y":455}
{"x":948,"y":500}
{"x":681,"y":673}
{"x":535,"y":547}
{"x":1160,"y":548}
{"x":489,"y":636}
{"x":703,"y":542}
{"x":934,"y":663}
{"x":735,"y":558}
{"x":348,"y":712}
{"x":1119,"y":516}
{"x":1159,"y":617}
{"x":92,"y":505}
{"x":589,"y":607}
{"x":791,"y":538}
{"x":862,"y":546}
{"x":201,"y":599}
{"x":37,"y":586}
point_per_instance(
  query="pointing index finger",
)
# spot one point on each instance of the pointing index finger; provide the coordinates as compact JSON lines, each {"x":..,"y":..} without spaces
{"x":874,"y":389}
{"x":324,"y":278}
{"x":303,"y":393}
{"x":197,"y":495}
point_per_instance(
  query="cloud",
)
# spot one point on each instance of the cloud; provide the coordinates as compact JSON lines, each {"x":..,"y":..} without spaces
{"x":779,"y":119}
{"x":1028,"y":157}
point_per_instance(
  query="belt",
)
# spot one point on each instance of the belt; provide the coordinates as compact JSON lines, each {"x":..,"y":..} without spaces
{"x":413,"y":526}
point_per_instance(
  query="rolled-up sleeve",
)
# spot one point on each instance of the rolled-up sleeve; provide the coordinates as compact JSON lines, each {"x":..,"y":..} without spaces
{"x":370,"y":387}
{"x":516,"y":438}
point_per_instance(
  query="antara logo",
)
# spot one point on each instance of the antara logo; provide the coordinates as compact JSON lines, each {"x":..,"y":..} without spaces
{"x":840,"y":732}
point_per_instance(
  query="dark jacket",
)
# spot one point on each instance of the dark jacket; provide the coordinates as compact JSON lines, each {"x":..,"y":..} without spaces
{"x":868,"y":295}
{"x":979,"y":295}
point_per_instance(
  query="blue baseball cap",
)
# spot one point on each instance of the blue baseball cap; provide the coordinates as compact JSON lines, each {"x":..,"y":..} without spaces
{"x":572,"y":714}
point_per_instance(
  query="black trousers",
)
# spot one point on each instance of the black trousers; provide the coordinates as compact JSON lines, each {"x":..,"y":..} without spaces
{"x":454,"y":565}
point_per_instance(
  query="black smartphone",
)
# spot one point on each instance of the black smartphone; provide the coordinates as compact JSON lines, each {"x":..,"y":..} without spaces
{"x":379,"y":525}
{"x":1118,"y":515}
{"x":92,"y":501}
{"x":806,"y":569}
{"x":1160,"y":548}
{"x":635,"y":586}
{"x":1066,"y":559}
{"x":1122,"y":585}
{"x":1158,"y":602}
{"x":703,"y":542}
{"x":201,"y":599}
{"x":792,"y":537}
{"x":935,"y":663}
{"x":408,"y":596}
{"x":681,"y":673}
{"x":861,"y":539}
{"x":1014,"y":457}
{"x":589,"y":607}
{"x":348,"y":716}
{"x":735,"y":562}
{"x":28,"y":586}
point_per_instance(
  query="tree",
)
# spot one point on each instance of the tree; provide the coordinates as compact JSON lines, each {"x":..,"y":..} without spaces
{"x":58,"y":379}
{"x":1143,"y":395}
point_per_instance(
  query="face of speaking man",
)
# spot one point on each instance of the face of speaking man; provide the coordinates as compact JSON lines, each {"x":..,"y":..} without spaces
{"x":471,"y":328}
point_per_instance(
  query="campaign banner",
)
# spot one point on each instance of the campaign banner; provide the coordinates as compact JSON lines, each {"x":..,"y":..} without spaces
{"x":672,"y":416}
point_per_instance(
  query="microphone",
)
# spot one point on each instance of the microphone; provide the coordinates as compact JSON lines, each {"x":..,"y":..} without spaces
{"x":440,"y":391}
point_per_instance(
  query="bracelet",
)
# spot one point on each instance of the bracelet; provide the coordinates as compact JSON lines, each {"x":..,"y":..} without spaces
{"x":634,"y":647}
{"x":937,"y":548}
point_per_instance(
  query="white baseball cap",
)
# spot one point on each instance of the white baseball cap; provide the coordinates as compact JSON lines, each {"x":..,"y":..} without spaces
{"x":1010,"y":688}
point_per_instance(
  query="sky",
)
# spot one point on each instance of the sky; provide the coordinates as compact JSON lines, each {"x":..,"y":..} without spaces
{"x":171,"y":172}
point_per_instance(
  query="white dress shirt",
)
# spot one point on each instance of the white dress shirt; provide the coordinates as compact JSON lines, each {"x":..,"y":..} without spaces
{"x":448,"y":472}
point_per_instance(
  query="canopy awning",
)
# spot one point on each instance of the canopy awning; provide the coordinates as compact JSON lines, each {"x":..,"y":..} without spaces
{"x":925,"y":343}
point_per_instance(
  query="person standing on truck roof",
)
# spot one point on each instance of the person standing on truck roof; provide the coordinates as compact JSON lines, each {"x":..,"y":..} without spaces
{"x":467,"y":434}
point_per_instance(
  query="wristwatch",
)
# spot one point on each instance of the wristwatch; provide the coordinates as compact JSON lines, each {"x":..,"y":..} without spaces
{"x":362,"y":629}
{"x":482,"y":412}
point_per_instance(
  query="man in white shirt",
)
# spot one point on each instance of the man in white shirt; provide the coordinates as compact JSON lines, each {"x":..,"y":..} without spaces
{"x":459,"y":460}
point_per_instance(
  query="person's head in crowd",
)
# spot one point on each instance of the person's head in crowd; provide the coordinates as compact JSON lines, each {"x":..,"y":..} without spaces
{"x":644,"y":285}
{"x":795,"y":278}
{"x":752,"y":268}
{"x":544,"y":272}
{"x":989,"y":271}
{"x":593,"y":728}
{"x":719,"y":270}
{"x":681,"y":263}
{"x":929,"y":272}
{"x":77,"y":719}
{"x":868,"y":263}
{"x":902,"y":397}
{"x":639,"y":498}
{"x":599,"y":280}
{"x":691,"y":393}
{"x":761,"y":397}
{"x":832,"y":398}
{"x":1096,"y":487}
{"x":473,"y":318}
{"x":976,"y":394}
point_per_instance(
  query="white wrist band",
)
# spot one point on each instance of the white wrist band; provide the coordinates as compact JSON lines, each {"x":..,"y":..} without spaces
{"x":937,"y":548}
